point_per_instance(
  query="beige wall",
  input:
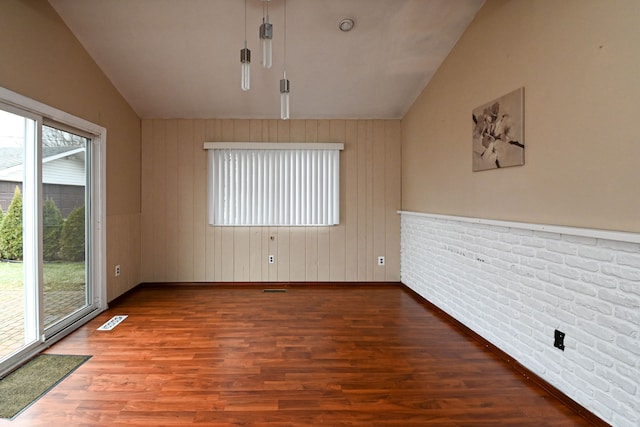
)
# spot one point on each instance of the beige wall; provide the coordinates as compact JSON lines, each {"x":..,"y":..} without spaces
{"x":41,"y":59}
{"x":579,"y":62}
{"x":179,"y":245}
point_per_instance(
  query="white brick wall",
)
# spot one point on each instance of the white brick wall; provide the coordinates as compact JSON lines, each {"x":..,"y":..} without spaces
{"x":515,"y":285}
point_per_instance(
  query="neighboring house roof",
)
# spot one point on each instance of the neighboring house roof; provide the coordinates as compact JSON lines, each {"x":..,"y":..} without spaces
{"x":60,"y":165}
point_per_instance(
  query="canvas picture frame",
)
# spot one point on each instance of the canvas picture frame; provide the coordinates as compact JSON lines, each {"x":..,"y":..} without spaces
{"x":498,"y":132}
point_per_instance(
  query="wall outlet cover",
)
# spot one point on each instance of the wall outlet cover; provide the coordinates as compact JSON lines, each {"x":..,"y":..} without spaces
{"x":559,"y":340}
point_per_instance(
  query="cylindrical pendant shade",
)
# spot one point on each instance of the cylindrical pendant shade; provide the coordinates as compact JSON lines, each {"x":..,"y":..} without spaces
{"x":245,"y":70}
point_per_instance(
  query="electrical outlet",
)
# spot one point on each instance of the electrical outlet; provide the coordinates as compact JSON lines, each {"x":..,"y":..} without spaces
{"x":272,"y":259}
{"x":559,"y":339}
{"x":117,"y":270}
{"x":380,"y":260}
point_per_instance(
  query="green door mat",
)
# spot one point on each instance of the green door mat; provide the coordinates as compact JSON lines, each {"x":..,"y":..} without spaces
{"x":33,"y":380}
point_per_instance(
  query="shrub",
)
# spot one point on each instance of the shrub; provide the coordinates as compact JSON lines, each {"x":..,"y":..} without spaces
{"x":52,"y":226}
{"x":72,"y":236}
{"x":11,"y":229}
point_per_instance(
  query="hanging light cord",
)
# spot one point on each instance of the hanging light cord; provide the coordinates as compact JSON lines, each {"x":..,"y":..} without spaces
{"x":265,"y":10}
{"x":285,"y":34}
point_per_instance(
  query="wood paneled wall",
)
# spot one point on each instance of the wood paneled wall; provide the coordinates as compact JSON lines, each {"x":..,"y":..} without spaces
{"x":178,"y":244}
{"x":123,"y":249}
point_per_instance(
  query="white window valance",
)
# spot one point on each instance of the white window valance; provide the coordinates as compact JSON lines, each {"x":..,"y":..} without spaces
{"x":274,"y":184}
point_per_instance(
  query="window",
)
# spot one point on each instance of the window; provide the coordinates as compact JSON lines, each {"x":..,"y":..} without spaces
{"x":270,"y":184}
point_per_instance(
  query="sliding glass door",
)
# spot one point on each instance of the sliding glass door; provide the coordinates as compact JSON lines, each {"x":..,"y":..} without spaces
{"x":64,"y":220}
{"x":19,"y":298}
{"x":46,"y":231}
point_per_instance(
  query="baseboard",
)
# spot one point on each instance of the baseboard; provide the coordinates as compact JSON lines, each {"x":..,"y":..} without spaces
{"x":510,"y":361}
{"x":263,"y":284}
{"x":117,"y":300}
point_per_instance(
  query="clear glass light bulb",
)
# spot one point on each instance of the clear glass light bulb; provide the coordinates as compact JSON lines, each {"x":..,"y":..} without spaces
{"x":245,"y":83}
{"x":266,"y":52}
{"x":284,"y":106}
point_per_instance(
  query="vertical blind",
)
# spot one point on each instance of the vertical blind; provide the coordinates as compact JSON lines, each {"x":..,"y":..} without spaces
{"x":274,"y":184}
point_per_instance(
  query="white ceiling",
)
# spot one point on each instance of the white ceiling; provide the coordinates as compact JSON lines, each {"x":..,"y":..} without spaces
{"x":181,"y":58}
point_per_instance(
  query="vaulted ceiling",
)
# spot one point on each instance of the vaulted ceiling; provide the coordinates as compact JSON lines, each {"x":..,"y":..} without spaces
{"x":181,"y":58}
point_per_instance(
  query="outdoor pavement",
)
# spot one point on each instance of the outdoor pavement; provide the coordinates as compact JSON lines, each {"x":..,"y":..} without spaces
{"x":57,"y":304}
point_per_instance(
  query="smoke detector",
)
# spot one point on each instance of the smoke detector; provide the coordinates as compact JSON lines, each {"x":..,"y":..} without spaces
{"x":346,"y":25}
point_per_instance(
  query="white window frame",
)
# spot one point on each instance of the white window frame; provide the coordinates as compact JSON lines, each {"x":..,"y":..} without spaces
{"x":245,"y":194}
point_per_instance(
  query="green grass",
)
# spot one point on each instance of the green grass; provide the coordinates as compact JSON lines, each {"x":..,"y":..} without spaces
{"x":58,"y":276}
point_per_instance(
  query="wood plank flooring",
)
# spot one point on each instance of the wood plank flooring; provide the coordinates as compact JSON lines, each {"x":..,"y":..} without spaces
{"x":349,"y":355}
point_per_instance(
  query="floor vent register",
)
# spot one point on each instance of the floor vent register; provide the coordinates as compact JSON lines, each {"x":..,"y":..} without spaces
{"x":112,"y":323}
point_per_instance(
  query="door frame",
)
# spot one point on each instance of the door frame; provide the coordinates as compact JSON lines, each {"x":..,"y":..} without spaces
{"x":97,"y":228}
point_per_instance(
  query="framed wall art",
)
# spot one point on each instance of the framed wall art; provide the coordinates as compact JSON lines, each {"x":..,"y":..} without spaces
{"x":498,"y":132}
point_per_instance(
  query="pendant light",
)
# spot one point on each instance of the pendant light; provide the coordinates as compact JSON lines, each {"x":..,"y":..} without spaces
{"x":245,"y":58}
{"x":266,"y":36}
{"x":284,"y":82}
{"x":284,"y":97}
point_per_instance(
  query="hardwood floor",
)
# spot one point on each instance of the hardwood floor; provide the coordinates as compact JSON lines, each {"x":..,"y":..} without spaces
{"x":349,"y":355}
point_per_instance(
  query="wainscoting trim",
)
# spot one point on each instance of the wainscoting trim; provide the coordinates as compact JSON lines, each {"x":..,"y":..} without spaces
{"x":620,"y":236}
